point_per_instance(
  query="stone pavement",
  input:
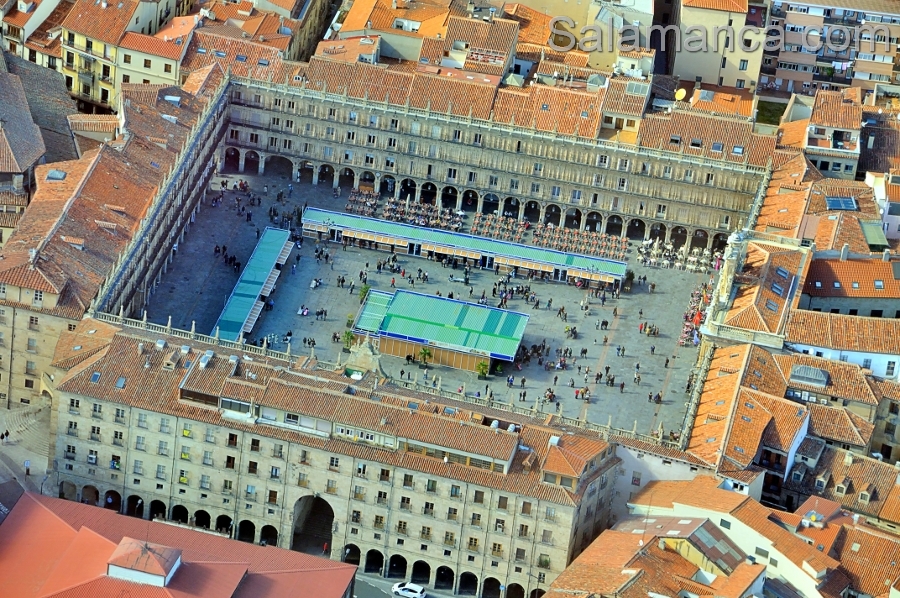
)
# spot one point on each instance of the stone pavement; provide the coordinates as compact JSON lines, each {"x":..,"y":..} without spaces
{"x":197,"y":285}
{"x":28,"y":441}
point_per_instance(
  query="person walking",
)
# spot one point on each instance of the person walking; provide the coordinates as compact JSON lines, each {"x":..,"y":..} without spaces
{"x":667,"y":362}
{"x":622,"y":387}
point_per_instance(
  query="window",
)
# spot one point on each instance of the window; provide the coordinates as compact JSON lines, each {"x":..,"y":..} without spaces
{"x":252,"y":467}
{"x":147,"y":63}
{"x":167,"y":68}
{"x":742,"y":66}
{"x":889,"y":370}
{"x":479,"y":497}
{"x":160,"y":472}
{"x":33,"y":320}
{"x":334,"y":463}
{"x":407,"y":480}
{"x":472,"y":544}
{"x":537,"y":169}
{"x":126,"y":58}
{"x":725,"y":524}
{"x":275,"y":473}
{"x":526,"y":508}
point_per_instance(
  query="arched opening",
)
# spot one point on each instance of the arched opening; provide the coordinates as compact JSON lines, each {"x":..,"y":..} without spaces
{"x":491,"y":588}
{"x":428,"y":194}
{"x":444,"y":578}
{"x":112,"y":500}
{"x":449,"y":196}
{"x":180,"y":513}
{"x":552,"y":215}
{"x":388,"y":186}
{"x":469,"y":202}
{"x":367,"y":180}
{"x":347,"y":179}
{"x":305,"y":172}
{"x":421,"y":573}
{"x":536,"y":593}
{"x":490,"y":203}
{"x":68,"y":490}
{"x":407,"y":189}
{"x":614,"y":226}
{"x":326,"y":174}
{"x":279,"y":166}
{"x":511,"y":207}
{"x":678,"y":237}
{"x":515,"y":590}
{"x":232,"y":160}
{"x":468,"y":584}
{"x":374,"y":562}
{"x":658,"y":231}
{"x":573,"y":218}
{"x":594,"y":222}
{"x":268,"y":536}
{"x":636,"y":229}
{"x":158,"y":509}
{"x":397,"y":567}
{"x":532,"y":212}
{"x":90,"y":496}
{"x":700,"y":239}
{"x":352,"y":554}
{"x":251,"y":162}
{"x":202,"y":519}
{"x":134,"y":506}
{"x":720,"y":241}
{"x":313,"y":523}
{"x":246,"y":531}
{"x":223,"y":524}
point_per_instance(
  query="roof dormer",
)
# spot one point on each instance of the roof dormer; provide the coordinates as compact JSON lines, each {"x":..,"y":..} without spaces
{"x":143,"y":562}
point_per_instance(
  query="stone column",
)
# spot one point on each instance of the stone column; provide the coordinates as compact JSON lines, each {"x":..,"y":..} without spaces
{"x":262,"y":165}
{"x":543,"y":213}
{"x":521,"y":212}
{"x":241,"y":160}
{"x":315,"y":177}
{"x":337,"y":179}
{"x":397,"y":189}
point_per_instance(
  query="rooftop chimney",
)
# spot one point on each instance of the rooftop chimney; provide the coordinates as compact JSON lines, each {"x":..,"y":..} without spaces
{"x":886,"y":255}
{"x":844,"y":251}
{"x":470,"y":8}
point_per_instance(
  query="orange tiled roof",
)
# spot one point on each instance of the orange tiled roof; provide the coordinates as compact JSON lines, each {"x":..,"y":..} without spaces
{"x":149,"y":44}
{"x":869,"y":558}
{"x":18,"y":18}
{"x":854,"y":278}
{"x":839,"y":425}
{"x":833,"y":109}
{"x":846,"y":381}
{"x":739,"y":6}
{"x":793,"y":134}
{"x":843,"y":333}
{"x":102,"y":21}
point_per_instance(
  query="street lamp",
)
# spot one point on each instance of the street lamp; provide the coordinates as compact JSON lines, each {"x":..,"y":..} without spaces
{"x":42,"y":484}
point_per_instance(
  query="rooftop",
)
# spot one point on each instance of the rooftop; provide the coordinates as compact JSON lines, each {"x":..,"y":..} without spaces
{"x":105,"y":21}
{"x":871,"y":278}
{"x":843,"y":333}
{"x":21,"y":145}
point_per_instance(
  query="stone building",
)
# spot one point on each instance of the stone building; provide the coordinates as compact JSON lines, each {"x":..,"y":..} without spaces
{"x":453,"y":496}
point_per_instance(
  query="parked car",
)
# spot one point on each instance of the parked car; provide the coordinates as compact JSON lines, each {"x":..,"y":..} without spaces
{"x":408,"y":590}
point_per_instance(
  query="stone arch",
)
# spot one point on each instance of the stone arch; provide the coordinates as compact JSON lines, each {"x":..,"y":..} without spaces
{"x":223,"y":524}
{"x":388,"y":186}
{"x":700,"y":239}
{"x":594,"y":221}
{"x":658,"y":231}
{"x":421,"y":573}
{"x":158,"y":509}
{"x":490,"y":203}
{"x":407,"y":189}
{"x":278,"y":166}
{"x":232,"y":161}
{"x":246,"y":531}
{"x":90,"y":495}
{"x":614,"y":225}
{"x":573,"y":220}
{"x":491,"y":588}
{"x":397,"y":566}
{"x":428,"y":194}
{"x":305,"y":171}
{"x":536,"y":593}
{"x":352,"y":554}
{"x":366,"y":178}
{"x":515,"y":590}
{"x":68,"y":490}
{"x":532,"y":212}
{"x":720,"y":241}
{"x":326,"y":174}
{"x":468,"y":584}
{"x":347,"y":178}
{"x":180,"y":513}
{"x":313,"y":524}
{"x":449,"y":195}
{"x":511,"y":207}
{"x":251,"y":162}
{"x":202,"y":519}
{"x":374,"y":562}
{"x":552,"y":214}
{"x":636,"y":229}
{"x":469,"y":201}
{"x":268,"y":536}
{"x":444,"y":578}
{"x":134,"y":506}
{"x":678,"y":236}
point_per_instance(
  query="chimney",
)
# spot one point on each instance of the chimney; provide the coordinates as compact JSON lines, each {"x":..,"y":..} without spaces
{"x":844,"y":251}
{"x":140,"y":348}
{"x":886,"y":255}
{"x":848,"y":458}
{"x":394,"y":4}
{"x":470,"y":8}
{"x":662,"y":544}
{"x":492,"y":11}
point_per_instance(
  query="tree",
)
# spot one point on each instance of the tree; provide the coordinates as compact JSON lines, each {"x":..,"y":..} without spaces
{"x":425,"y":354}
{"x":363,"y":291}
{"x":629,"y":275}
{"x":348,"y":337}
{"x":482,"y":367}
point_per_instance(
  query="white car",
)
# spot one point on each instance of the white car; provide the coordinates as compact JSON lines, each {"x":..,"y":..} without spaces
{"x":408,"y":590}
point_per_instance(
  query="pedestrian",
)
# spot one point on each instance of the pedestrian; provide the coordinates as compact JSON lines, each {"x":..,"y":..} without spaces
{"x":618,"y":351}
{"x":641,"y":313}
{"x":667,"y":362}
{"x":392,"y":283}
{"x":577,"y":393}
{"x":402,"y":373}
{"x":652,"y":349}
{"x":637,"y":366}
{"x":649,"y":397}
{"x":557,"y":406}
{"x":523,"y":382}
{"x":615,"y":312}
{"x":622,"y":387}
{"x":555,"y":378}
{"x":293,"y":268}
{"x":325,"y":548}
{"x":641,"y":328}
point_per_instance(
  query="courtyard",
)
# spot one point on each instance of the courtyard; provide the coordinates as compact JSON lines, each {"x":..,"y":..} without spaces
{"x":198,"y":283}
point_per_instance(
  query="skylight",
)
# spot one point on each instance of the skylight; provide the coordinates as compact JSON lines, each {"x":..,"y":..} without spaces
{"x":696,"y":142}
{"x":120,"y":383}
{"x":778,"y":289}
{"x":262,"y":62}
{"x":56,"y":175}
{"x":771,"y":305}
{"x":840,"y":203}
{"x":781,"y":272}
{"x":545,"y":107}
{"x":738,"y":150}
{"x":717,"y":146}
{"x":240,"y":58}
{"x":220,"y":53}
{"x":95,"y":377}
{"x":675,"y":139}
{"x":879,"y":285}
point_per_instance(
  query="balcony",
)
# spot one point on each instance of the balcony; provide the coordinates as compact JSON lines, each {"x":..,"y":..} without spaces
{"x":231,"y":443}
{"x":360,"y":496}
{"x":425,"y":536}
{"x":70,"y":456}
{"x":138,"y":470}
{"x":120,"y":419}
{"x":183,"y":480}
{"x":449,"y":541}
{"x":550,"y":518}
{"x":405,"y":506}
{"x":278,"y":454}
{"x":97,"y":415}
{"x":382,"y":500}
{"x":204,"y":485}
{"x":378,"y":524}
{"x":384,"y":478}
{"x":95,"y":437}
{"x":331,"y":489}
{"x":160,"y":475}
{"x":227,"y":490}
{"x":303,"y":483}
{"x":472,"y":547}
{"x":74,"y":410}
{"x":72,"y":432}
{"x":208,"y":461}
{"x":543,"y":563}
{"x":251,"y":496}
{"x":401,"y":529}
{"x":164,"y":452}
{"x":497,"y":553}
{"x":452,"y":516}
{"x":428,"y":512}
{"x":140,"y":446}
{"x":118,"y":442}
{"x":165,"y":430}
{"x":356,"y":519}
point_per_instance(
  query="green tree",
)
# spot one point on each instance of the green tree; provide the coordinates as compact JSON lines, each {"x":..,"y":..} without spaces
{"x":425,"y":354}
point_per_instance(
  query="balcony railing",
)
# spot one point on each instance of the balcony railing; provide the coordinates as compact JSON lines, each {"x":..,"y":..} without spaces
{"x":70,"y":456}
{"x":331,"y":489}
{"x":379,"y":525}
{"x":382,"y":500}
{"x":304,"y":483}
{"x":72,"y":432}
{"x":497,"y":553}
{"x":95,"y":437}
{"x":401,"y":529}
{"x":96,"y":415}
{"x":120,"y":419}
{"x":361,"y":496}
{"x":425,"y":535}
{"x":543,"y":563}
{"x":428,"y":512}
{"x":405,"y":506}
{"x":449,"y":541}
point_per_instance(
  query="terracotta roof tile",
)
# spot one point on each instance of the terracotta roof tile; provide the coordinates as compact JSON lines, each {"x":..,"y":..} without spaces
{"x":870,"y":559}
{"x":21,"y":144}
{"x":739,"y":6}
{"x":832,"y":109}
{"x":839,"y":425}
{"x":149,"y":44}
{"x":765,"y":287}
{"x":843,"y":332}
{"x":106,"y":22}
{"x":854,"y":278}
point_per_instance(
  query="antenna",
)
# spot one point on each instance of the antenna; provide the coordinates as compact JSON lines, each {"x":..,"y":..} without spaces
{"x":680,"y":94}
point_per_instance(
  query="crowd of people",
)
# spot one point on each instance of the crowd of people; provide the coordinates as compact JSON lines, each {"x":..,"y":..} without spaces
{"x":422,"y":214}
{"x":363,"y":203}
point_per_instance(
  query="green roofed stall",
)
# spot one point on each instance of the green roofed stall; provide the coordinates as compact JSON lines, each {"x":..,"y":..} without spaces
{"x":316,"y":220}
{"x":444,"y":323}
{"x":247,"y":299}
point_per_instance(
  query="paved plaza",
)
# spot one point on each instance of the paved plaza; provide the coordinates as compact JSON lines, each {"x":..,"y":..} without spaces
{"x":197,"y":284}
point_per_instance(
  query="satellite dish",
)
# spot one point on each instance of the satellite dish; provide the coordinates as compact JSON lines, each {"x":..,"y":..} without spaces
{"x":680,"y":94}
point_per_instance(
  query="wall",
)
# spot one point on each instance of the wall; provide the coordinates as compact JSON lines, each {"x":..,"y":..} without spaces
{"x":879,"y":361}
{"x":453,"y":359}
{"x":890,"y":308}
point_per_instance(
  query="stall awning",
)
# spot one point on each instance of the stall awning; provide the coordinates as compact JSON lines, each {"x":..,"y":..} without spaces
{"x":270,"y":283}
{"x":252,"y":317}
{"x":390,"y":241}
{"x":319,"y":228}
{"x":595,"y":276}
{"x":285,"y":253}
{"x":513,"y":262}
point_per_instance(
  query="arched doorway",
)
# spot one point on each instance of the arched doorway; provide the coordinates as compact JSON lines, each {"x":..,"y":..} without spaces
{"x":268,"y":536}
{"x":536,"y":593}
{"x":232,"y":160}
{"x":700,"y":239}
{"x":407,"y":189}
{"x":552,"y":215}
{"x":305,"y":172}
{"x":374,"y":562}
{"x":134,"y":506}
{"x":658,"y":231}
{"x":180,"y":513}
{"x":397,"y":567}
{"x":448,"y":197}
{"x":678,"y":237}
{"x":223,"y":524}
{"x":468,"y":584}
{"x":636,"y":229}
{"x":421,"y":573}
{"x":491,"y":588}
{"x":511,"y":207}
{"x":532,"y":212}
{"x":90,"y":496}
{"x":246,"y":531}
{"x":326,"y":175}
{"x":158,"y":509}
{"x":68,"y":490}
{"x":720,"y":241}
{"x":573,"y":218}
{"x":515,"y":590}
{"x":112,"y":500}
{"x":388,"y":185}
{"x":594,"y":221}
{"x":251,"y":162}
{"x":279,"y":166}
{"x":202,"y":519}
{"x":367,"y":179}
{"x":490,"y":203}
{"x":347,"y":179}
{"x":614,"y":226}
{"x":313,"y":523}
{"x":428,"y":194}
{"x":444,"y":578}
{"x":352,"y":554}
